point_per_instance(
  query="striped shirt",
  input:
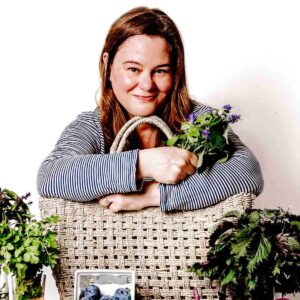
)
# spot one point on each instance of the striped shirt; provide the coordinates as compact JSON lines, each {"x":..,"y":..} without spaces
{"x":79,"y":169}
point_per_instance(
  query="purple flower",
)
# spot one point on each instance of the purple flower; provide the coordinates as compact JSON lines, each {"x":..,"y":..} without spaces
{"x":233,"y":118}
{"x":191,"y":118}
{"x":227,"y":107}
{"x":205,"y":132}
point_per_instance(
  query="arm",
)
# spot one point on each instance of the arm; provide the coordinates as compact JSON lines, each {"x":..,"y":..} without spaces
{"x":133,"y":201}
{"x":78,"y":169}
{"x":241,"y":173}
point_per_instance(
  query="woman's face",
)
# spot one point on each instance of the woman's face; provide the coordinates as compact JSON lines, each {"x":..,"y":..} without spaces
{"x":141,"y":75}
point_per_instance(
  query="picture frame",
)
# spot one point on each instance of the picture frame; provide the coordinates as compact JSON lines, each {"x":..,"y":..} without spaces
{"x":115,"y":284}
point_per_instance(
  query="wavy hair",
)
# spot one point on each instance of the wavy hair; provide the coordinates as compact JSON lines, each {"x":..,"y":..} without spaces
{"x":151,"y":22}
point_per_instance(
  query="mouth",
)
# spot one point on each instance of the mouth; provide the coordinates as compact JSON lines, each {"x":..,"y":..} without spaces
{"x":145,"y":98}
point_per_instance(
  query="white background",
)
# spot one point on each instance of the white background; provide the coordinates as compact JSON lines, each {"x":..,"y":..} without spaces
{"x":245,"y":53}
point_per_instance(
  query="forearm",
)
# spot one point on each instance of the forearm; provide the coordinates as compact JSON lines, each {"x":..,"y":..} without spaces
{"x":241,"y":173}
{"x":149,"y":197}
{"x":151,"y":194}
{"x":86,"y":177}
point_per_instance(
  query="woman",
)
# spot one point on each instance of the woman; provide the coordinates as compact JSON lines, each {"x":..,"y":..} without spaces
{"x":142,"y":73}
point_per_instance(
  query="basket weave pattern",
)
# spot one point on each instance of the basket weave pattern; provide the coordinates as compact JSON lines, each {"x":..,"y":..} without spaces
{"x":158,"y":246}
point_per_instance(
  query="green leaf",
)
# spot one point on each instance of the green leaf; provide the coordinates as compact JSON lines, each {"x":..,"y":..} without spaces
{"x":254,"y":217}
{"x":228,"y":261}
{"x":276,"y":270}
{"x":296,"y":224}
{"x":51,"y":219}
{"x":252,"y":284}
{"x":172,"y":141}
{"x":262,"y":253}
{"x":199,"y":119}
{"x":232,"y":213}
{"x":6,"y":255}
{"x":31,"y":258}
{"x":9,"y":246}
{"x":294,"y":245}
{"x":270,"y":213}
{"x":21,"y":270}
{"x":51,"y":240}
{"x":239,"y":247}
{"x":215,"y":120}
{"x":225,"y":134}
{"x":34,"y":250}
{"x":224,"y":159}
{"x":52,"y":259}
{"x":194,"y":132}
{"x":200,"y":159}
{"x":230,"y":277}
{"x":217,"y":140}
{"x":185,"y":126}
{"x":11,"y":194}
{"x":5,"y":269}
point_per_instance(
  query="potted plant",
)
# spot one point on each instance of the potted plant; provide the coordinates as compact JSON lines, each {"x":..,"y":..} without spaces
{"x":26,"y":245}
{"x":254,"y":253}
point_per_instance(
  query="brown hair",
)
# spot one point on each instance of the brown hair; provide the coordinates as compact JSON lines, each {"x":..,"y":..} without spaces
{"x":153,"y":22}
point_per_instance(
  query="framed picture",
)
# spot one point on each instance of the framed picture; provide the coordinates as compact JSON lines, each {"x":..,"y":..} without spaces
{"x":104,"y":284}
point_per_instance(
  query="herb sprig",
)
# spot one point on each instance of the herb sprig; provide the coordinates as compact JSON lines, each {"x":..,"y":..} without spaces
{"x":26,"y":245}
{"x":207,"y":136}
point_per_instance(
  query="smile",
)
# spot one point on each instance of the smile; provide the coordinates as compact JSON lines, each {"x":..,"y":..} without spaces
{"x":146,"y":98}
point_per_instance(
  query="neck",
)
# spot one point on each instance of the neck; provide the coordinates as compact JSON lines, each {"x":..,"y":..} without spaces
{"x":147,"y":134}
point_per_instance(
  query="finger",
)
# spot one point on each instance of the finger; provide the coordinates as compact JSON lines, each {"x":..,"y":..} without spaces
{"x":194,"y":160}
{"x":105,"y":202}
{"x":190,"y":169}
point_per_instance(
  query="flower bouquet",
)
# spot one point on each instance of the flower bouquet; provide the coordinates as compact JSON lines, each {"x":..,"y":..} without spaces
{"x":207,"y":136}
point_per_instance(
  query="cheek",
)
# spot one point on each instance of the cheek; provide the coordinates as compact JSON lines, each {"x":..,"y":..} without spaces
{"x":165,"y":84}
{"x":121,"y":81}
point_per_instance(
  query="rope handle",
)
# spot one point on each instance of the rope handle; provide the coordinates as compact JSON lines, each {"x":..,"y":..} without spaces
{"x":120,"y":140}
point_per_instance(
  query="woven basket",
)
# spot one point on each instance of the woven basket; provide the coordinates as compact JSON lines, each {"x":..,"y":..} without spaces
{"x":160,"y":247}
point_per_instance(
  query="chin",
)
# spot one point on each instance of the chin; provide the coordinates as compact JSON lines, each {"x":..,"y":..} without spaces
{"x":142,"y":112}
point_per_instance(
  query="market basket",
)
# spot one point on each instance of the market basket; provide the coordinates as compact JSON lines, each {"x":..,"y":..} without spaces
{"x":158,"y":246}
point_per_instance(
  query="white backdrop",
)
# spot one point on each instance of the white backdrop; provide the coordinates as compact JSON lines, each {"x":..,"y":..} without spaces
{"x":245,"y":53}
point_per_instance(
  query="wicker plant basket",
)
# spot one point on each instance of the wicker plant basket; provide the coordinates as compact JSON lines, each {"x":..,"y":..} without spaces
{"x":160,"y":247}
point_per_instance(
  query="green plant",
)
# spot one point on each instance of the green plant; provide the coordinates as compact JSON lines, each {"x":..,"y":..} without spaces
{"x":253,"y":252}
{"x":206,"y":136}
{"x":26,"y":245}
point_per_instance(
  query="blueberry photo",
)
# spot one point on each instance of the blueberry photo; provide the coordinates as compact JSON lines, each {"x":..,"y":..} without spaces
{"x":93,"y":292}
{"x":122,"y":294}
{"x":88,"y":298}
{"x":106,"y":298}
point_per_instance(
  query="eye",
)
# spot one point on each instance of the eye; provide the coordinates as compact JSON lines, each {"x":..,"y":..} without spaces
{"x":161,"y":71}
{"x":133,"y":70}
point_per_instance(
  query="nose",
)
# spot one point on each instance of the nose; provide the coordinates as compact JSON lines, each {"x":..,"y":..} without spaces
{"x":146,"y":81}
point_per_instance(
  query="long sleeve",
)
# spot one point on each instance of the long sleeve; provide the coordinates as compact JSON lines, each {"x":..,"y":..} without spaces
{"x":77,"y":169}
{"x":241,"y":173}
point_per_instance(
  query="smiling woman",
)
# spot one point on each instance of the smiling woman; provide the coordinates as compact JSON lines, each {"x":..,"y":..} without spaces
{"x":142,"y":74}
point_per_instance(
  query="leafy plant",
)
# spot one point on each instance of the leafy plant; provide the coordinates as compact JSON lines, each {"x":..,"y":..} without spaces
{"x":253,"y":252}
{"x":206,"y":136}
{"x":26,"y":245}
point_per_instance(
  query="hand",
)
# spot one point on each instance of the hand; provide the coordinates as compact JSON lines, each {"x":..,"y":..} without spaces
{"x":133,"y":201}
{"x":166,"y":164}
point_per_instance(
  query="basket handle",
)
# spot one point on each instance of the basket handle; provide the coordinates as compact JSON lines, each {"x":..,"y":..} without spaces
{"x":119,"y":142}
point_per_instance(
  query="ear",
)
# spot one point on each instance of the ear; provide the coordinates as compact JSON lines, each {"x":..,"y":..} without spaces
{"x":105,"y":60}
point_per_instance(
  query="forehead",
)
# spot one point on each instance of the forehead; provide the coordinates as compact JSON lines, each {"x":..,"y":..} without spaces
{"x":144,"y":49}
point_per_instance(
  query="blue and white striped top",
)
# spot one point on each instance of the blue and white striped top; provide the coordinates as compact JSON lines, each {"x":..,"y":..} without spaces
{"x":78,"y":169}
